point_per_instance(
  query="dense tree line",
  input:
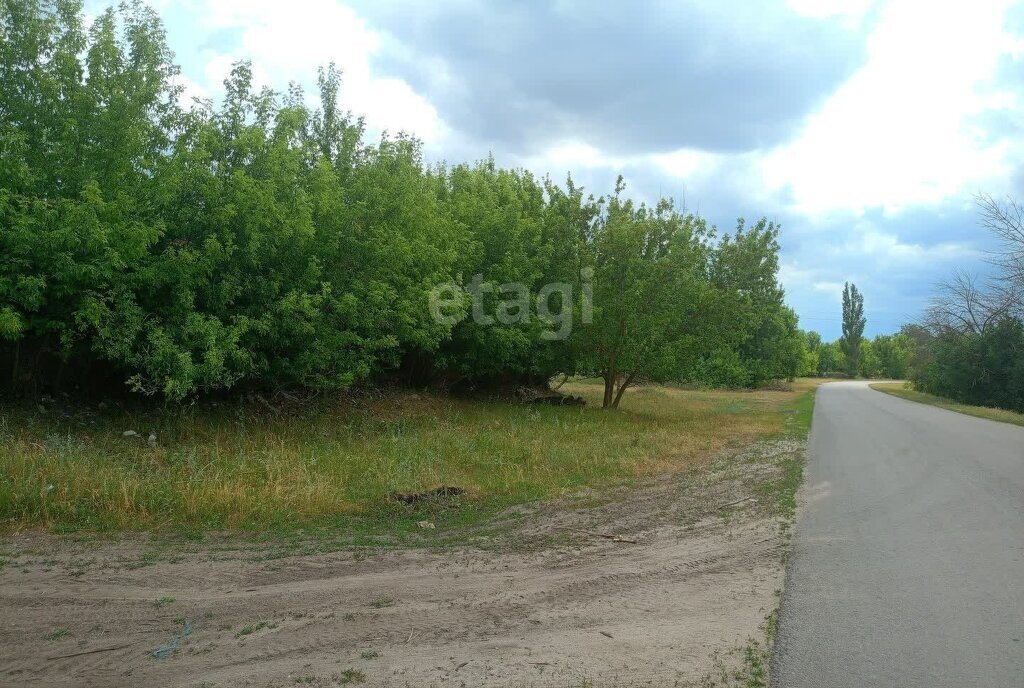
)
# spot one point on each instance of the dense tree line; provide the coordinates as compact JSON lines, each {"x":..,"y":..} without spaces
{"x":970,"y":344}
{"x":854,"y":355}
{"x":263,"y":242}
{"x":884,"y":356}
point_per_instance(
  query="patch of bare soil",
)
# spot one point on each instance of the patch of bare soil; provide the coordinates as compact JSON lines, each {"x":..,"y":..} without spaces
{"x":688,"y":572}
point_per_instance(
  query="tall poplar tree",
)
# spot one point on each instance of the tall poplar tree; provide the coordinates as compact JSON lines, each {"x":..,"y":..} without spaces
{"x":853,"y":326}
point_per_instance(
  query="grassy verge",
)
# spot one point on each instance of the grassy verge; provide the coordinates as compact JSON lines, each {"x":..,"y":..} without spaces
{"x":334,"y":464}
{"x":899,"y":389}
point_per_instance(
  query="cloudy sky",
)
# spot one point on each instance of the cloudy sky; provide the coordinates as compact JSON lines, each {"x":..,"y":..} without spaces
{"x":863,"y":127}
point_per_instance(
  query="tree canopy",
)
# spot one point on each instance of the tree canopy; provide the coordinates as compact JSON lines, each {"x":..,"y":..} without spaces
{"x":853,"y":327}
{"x":178,"y":249}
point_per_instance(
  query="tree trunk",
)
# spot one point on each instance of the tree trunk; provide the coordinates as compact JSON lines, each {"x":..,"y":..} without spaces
{"x":622,"y":388}
{"x":609,"y":388}
{"x":610,"y":374}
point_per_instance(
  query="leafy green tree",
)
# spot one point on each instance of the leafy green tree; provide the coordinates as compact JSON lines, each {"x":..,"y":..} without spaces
{"x":84,"y":124}
{"x":893,"y":355}
{"x":868,"y":363}
{"x":981,"y":368}
{"x":811,"y":353}
{"x":756,"y":335}
{"x":919,"y":342}
{"x":830,"y":359}
{"x":649,"y":283}
{"x":258,"y":243}
{"x":262,"y":242}
{"x":853,"y":327}
{"x":970,"y":346}
{"x":524,"y":248}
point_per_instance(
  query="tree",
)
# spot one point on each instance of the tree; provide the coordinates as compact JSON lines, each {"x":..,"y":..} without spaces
{"x":649,"y":284}
{"x":85,"y":116}
{"x":261,"y":242}
{"x":811,"y":358}
{"x":868,"y":363}
{"x":981,"y":368}
{"x":892,"y":352}
{"x":830,"y":359}
{"x":853,"y":327}
{"x":1005,"y":219}
{"x":524,"y":247}
{"x":749,"y":335}
{"x":963,"y":304}
{"x":970,"y":343}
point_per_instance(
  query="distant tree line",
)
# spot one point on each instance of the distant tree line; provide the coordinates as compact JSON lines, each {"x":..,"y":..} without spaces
{"x":853,"y":355}
{"x":262,"y":242}
{"x":885,"y":356}
{"x":969,"y":345}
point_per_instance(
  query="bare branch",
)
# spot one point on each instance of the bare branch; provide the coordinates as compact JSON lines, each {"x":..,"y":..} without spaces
{"x":962,"y":305}
{"x":1005,"y":219}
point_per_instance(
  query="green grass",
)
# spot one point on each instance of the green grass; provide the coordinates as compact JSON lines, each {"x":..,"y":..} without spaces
{"x":753,"y":665}
{"x":249,"y":629}
{"x":58,"y":633}
{"x":331,"y":465}
{"x":901,"y":390}
{"x":382,"y":602}
{"x":786,"y":487}
{"x":350,"y":676}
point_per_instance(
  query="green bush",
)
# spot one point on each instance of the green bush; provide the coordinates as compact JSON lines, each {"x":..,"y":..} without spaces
{"x":981,"y":368}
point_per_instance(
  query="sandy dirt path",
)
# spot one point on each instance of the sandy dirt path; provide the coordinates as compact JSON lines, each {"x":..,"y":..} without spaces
{"x":576,"y":610}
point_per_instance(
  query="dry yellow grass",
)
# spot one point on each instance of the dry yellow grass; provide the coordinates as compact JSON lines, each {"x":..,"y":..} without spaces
{"x":243,"y":467}
{"x":901,"y":389}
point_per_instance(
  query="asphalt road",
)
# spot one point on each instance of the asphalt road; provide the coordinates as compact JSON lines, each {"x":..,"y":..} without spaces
{"x":907,"y":566}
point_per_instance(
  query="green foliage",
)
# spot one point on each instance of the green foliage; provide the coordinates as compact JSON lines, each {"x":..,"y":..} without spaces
{"x":764,"y":331}
{"x":853,"y":327}
{"x":517,"y":235}
{"x":884,"y":356}
{"x":970,"y":346}
{"x":892,"y":355}
{"x":811,"y":359}
{"x":261,"y":242}
{"x":649,"y":286}
{"x":831,"y":359}
{"x":867,"y":361}
{"x":979,"y":368}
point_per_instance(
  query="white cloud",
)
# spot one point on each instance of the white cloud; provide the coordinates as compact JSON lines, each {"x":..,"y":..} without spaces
{"x":686,"y":162}
{"x":833,"y":288}
{"x":885,"y":246}
{"x":573,"y":155}
{"x":899,"y":131}
{"x":287,"y":43}
{"x":792,"y":274}
{"x":577,"y":154}
{"x":190,"y":90}
{"x":850,"y":10}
